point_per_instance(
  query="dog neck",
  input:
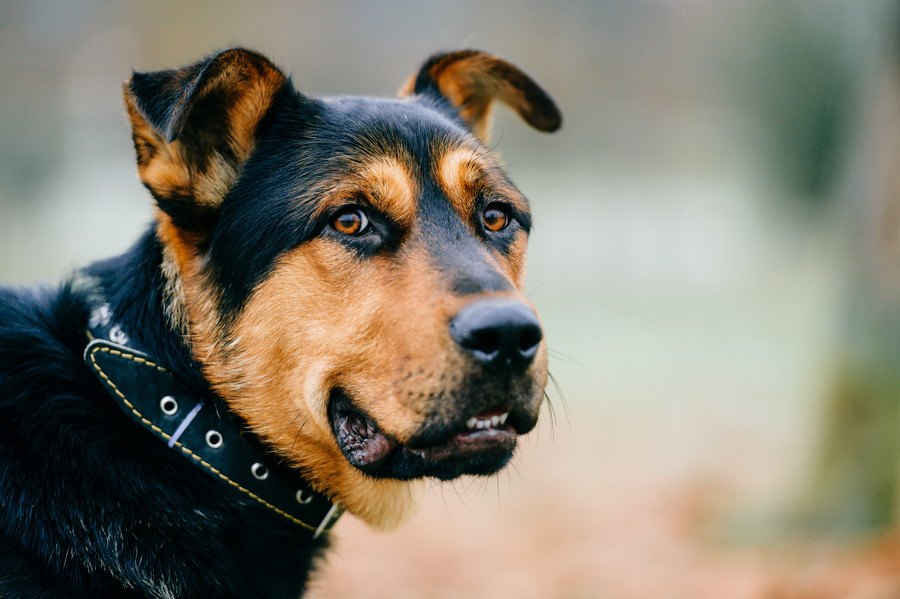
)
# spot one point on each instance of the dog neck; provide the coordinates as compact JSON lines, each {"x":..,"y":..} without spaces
{"x":194,"y":304}
{"x":138,"y":291}
{"x":146,"y":390}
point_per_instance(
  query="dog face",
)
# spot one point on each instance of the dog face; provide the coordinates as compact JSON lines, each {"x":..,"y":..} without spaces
{"x":349,"y":271}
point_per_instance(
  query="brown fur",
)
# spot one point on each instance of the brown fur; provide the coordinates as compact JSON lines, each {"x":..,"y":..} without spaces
{"x":463,"y":173}
{"x":173,"y":167}
{"x":472,"y":80}
{"x":376,"y":328}
{"x":385,"y":182}
{"x":384,"y":342}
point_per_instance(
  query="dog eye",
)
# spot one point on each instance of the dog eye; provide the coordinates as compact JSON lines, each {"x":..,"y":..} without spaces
{"x":495,"y":217}
{"x":350,"y":221}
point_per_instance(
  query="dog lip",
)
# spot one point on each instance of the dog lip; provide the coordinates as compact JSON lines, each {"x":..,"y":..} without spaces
{"x":470,"y":443}
{"x":358,"y":436}
{"x":378,"y":454}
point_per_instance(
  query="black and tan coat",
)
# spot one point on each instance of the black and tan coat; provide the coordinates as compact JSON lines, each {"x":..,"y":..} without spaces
{"x":346,"y":274}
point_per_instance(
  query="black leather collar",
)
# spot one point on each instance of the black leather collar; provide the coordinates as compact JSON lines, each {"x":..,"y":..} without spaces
{"x":201,"y":429}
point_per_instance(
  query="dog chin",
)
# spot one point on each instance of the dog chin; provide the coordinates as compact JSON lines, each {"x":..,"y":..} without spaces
{"x":482,"y":445}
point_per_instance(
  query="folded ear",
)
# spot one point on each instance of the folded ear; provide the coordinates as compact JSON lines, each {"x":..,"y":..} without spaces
{"x":194,"y":128}
{"x":471,"y":80}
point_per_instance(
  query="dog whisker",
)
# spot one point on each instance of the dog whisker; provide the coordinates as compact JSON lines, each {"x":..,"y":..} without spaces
{"x":566,"y":358}
{"x":562,"y":397}
{"x":345,"y":277}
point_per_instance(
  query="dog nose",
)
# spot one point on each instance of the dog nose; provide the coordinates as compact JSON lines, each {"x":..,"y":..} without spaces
{"x":500,"y":333}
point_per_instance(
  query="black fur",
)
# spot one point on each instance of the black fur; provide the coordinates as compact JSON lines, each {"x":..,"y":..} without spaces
{"x":91,"y":505}
{"x":325,"y":139}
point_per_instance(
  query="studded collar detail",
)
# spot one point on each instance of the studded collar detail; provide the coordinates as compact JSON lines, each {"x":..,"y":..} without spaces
{"x":201,"y":429}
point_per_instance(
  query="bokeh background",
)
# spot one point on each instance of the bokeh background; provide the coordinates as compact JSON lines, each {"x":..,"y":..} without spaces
{"x":716,"y":258}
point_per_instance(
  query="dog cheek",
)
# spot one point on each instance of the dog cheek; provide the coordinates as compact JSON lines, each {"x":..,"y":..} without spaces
{"x":515,"y":260}
{"x":380,"y":325}
{"x":306,"y":314}
{"x":260,"y":370}
{"x":410,"y":352}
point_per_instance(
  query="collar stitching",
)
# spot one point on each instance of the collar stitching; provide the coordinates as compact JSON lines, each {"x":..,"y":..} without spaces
{"x":190,"y":453}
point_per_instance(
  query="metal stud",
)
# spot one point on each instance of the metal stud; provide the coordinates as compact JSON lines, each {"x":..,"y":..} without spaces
{"x":214,"y":439}
{"x":117,"y":335}
{"x":303,"y":497}
{"x":168,"y":405}
{"x":259,"y":471}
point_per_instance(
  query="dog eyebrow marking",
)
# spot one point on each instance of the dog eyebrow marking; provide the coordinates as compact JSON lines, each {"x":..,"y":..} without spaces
{"x":385,"y":181}
{"x":465,"y":172}
{"x":392,"y":188}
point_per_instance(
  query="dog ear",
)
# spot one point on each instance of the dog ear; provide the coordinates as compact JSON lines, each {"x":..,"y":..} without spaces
{"x":471,"y":80}
{"x":194,"y":128}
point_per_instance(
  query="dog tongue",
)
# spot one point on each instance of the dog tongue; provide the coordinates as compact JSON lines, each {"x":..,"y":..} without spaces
{"x":361,"y":441}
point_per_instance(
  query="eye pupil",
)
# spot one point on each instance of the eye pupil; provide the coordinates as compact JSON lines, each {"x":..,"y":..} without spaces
{"x":350,"y":221}
{"x":495,"y":218}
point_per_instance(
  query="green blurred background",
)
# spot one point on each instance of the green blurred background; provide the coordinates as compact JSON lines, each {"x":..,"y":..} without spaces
{"x":716,"y":258}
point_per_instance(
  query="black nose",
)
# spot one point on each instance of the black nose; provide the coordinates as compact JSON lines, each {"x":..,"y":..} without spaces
{"x":501,"y":333}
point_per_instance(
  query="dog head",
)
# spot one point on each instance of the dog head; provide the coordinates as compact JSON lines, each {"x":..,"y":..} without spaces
{"x":349,"y":271}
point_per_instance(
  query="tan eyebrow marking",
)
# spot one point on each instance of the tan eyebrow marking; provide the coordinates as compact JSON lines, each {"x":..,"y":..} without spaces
{"x":464,"y":172}
{"x":458,"y":172}
{"x":384,"y":181}
{"x":392,"y":188}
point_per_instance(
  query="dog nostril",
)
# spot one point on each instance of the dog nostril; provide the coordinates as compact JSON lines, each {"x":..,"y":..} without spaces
{"x":483,"y":340}
{"x":500,"y":333}
{"x":530,"y":338}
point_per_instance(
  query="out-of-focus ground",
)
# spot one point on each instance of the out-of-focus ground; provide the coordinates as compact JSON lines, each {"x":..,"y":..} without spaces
{"x":690,"y":260}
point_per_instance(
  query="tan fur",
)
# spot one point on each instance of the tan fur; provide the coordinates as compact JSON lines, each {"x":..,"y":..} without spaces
{"x":393,"y":188}
{"x":166,"y":169}
{"x":180,"y":263}
{"x":254,"y":84}
{"x":160,"y":165}
{"x":459,"y":171}
{"x":516,"y":261}
{"x":472,"y":80}
{"x":471,"y":94}
{"x":173,"y":293}
{"x":324,"y":318}
{"x":384,"y":182}
{"x":408,"y":87}
{"x":368,"y":339}
{"x":463,"y":173}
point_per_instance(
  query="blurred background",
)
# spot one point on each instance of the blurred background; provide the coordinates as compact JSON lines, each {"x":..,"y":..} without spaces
{"x":716,"y":258}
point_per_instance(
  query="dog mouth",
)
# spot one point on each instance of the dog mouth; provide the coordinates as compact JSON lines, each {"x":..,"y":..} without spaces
{"x":481,"y":444}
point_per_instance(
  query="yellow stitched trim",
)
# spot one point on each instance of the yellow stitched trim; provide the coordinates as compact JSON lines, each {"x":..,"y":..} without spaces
{"x":200,"y":460}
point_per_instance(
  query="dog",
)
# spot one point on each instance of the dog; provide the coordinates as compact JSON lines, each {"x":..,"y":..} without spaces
{"x":327,"y":308}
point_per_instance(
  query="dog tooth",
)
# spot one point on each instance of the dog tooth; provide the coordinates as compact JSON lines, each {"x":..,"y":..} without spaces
{"x":503,"y":417}
{"x":471,"y":422}
{"x":495,"y":420}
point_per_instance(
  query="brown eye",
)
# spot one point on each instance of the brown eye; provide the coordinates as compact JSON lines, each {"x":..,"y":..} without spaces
{"x":350,"y":221}
{"x":495,"y":218}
